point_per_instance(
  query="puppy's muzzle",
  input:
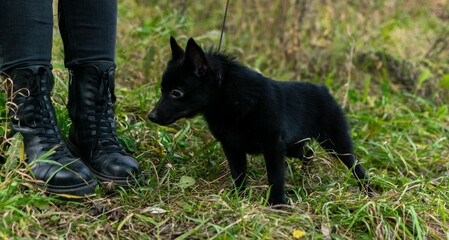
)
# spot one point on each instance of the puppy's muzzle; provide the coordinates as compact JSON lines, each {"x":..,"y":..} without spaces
{"x":153,"y":116}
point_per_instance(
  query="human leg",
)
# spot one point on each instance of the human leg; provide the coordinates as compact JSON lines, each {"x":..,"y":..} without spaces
{"x":25,"y":55}
{"x":26,"y":33}
{"x":88,"y":30}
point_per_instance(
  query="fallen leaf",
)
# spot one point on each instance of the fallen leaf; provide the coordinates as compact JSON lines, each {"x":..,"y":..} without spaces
{"x":186,"y":182}
{"x":298,"y":234}
{"x":153,"y":210}
{"x":325,"y":230}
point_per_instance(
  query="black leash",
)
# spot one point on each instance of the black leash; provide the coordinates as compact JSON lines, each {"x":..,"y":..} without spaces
{"x":223,"y":26}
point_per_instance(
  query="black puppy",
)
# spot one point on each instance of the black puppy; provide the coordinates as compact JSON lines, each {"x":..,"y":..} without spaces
{"x":250,"y":113}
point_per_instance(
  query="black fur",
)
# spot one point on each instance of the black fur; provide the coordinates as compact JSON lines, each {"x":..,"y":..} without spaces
{"x":250,"y":113}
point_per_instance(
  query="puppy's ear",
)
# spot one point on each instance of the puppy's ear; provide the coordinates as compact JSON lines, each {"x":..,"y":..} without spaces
{"x":176,"y":50}
{"x":196,"y":58}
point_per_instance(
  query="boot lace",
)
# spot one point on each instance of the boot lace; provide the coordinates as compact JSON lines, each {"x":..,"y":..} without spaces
{"x":106,"y":128}
{"x":43,"y":116}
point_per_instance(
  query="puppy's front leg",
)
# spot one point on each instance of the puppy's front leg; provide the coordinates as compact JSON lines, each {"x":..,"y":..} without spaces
{"x":237,"y":164}
{"x":274,"y":153}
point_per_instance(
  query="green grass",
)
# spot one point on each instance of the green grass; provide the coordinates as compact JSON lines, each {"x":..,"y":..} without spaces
{"x":386,"y":62}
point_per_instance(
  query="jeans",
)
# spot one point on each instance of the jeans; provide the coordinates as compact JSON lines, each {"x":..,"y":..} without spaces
{"x":88,"y":29}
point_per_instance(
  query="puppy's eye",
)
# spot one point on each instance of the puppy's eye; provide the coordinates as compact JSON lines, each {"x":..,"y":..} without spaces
{"x":175,"y":93}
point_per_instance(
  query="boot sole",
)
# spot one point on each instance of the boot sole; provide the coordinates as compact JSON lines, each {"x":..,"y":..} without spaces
{"x":76,"y":193}
{"x":125,"y":182}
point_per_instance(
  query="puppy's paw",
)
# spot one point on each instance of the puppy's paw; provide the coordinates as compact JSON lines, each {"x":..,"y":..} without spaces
{"x":276,"y":200}
{"x":368,"y":190}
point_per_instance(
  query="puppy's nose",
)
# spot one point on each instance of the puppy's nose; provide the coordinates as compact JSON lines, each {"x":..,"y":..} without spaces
{"x":152,"y":116}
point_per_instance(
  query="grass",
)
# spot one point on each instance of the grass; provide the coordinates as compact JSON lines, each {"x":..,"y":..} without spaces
{"x":386,"y":62}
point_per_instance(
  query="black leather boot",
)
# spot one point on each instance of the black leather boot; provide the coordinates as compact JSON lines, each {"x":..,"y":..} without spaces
{"x":93,"y":134}
{"x":32,"y":114}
